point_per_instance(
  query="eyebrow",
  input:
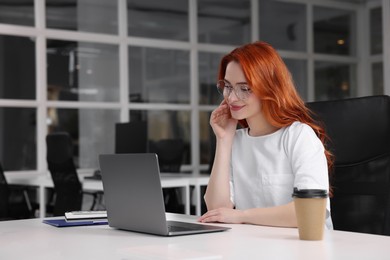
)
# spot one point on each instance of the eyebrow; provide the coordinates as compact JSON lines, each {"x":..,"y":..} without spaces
{"x":241,"y":83}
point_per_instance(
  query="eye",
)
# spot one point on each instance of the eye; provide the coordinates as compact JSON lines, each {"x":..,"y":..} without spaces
{"x":228,"y":87}
{"x":245,"y":88}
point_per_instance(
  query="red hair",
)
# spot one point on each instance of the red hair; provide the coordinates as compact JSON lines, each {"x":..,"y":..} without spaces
{"x":271,"y":82}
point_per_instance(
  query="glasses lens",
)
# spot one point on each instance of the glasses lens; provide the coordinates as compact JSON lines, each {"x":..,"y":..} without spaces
{"x":243,"y":92}
{"x":225,"y":89}
{"x":221,"y":86}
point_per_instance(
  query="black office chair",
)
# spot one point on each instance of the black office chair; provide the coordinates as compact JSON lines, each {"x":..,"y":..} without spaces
{"x":131,"y":137}
{"x":67,"y":186}
{"x":14,"y":200}
{"x":170,"y":154}
{"x":359,"y":129}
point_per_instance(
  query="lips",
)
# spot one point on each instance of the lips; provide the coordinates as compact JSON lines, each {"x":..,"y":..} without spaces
{"x":235,"y":108}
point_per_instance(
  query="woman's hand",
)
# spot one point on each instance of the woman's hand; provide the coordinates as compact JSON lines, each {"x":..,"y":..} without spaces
{"x":222,"y":122}
{"x":223,"y":215}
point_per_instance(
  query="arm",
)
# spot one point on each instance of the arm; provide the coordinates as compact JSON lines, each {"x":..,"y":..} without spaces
{"x":218,"y":189}
{"x":279,"y":216}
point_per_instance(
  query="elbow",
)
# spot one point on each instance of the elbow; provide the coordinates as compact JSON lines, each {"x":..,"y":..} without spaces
{"x":213,"y":204}
{"x":216,"y":200}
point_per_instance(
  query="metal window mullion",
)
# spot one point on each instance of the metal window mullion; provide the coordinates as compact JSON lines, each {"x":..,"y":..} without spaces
{"x":310,"y":51}
{"x":194,"y":85}
{"x":123,"y":62}
{"x":41,"y":84}
{"x":386,"y":46}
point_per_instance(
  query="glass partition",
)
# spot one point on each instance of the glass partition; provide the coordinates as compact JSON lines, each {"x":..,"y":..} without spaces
{"x":166,"y":124}
{"x":224,"y":22}
{"x":92,"y":132}
{"x":208,"y":74}
{"x":298,"y":70}
{"x":283,"y":24}
{"x":97,"y":16}
{"x":159,"y":75}
{"x":166,"y":19}
{"x":17,"y":58}
{"x":334,"y":81}
{"x":17,"y":12}
{"x":334,"y":31}
{"x":80,"y":71}
{"x":376,"y":35}
{"x":377,"y":78}
{"x":18,"y":138}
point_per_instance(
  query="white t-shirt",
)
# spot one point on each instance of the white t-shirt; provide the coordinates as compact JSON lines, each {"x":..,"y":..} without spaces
{"x":265,"y":169}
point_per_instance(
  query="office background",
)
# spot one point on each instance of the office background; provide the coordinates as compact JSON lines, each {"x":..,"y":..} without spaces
{"x":83,"y":65}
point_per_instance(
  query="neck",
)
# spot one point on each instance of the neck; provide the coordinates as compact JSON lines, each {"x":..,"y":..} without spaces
{"x":261,"y":127}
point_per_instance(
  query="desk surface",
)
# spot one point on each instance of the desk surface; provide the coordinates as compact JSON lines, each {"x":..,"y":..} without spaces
{"x":31,"y":239}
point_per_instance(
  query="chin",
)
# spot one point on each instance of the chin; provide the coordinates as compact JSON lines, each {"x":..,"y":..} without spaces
{"x":237,"y":116}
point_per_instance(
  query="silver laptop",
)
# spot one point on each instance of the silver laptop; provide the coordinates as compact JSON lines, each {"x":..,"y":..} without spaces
{"x":134,"y":198}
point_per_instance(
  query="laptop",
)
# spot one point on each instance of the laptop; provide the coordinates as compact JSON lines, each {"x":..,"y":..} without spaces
{"x":134,"y":198}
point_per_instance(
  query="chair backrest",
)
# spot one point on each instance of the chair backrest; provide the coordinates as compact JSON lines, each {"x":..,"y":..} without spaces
{"x":4,"y":194}
{"x":359,"y":129}
{"x":131,"y":137}
{"x":170,"y":154}
{"x":67,"y":185}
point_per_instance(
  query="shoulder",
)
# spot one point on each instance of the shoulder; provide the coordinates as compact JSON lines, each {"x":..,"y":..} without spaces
{"x":297,"y":129}
{"x":301,"y":134}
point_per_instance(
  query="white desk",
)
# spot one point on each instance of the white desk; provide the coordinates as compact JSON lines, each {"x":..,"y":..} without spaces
{"x":31,"y":239}
{"x":42,"y":181}
{"x":195,"y":180}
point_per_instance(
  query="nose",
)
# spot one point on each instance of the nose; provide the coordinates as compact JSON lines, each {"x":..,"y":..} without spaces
{"x":232,"y":96}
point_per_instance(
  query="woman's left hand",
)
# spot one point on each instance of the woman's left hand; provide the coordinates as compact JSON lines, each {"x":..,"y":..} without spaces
{"x":223,"y":215}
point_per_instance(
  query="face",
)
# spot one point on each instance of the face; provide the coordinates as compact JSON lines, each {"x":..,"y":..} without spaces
{"x":248,"y":108}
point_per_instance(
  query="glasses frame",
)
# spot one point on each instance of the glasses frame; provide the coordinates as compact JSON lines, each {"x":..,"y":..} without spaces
{"x":242,"y":91}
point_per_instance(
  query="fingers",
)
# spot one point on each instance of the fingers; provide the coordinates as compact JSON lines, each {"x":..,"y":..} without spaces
{"x":211,"y":216}
{"x":221,"y":111}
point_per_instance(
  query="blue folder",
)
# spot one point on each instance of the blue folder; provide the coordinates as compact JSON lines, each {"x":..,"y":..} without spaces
{"x":64,"y":223}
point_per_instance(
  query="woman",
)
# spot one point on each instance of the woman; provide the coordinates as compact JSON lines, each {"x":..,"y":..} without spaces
{"x":279,"y":146}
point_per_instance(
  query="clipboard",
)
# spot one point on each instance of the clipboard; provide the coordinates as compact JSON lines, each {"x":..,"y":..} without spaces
{"x":64,"y":223}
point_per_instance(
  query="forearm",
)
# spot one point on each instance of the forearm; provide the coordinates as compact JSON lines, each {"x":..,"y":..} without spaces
{"x":279,"y":216}
{"x":218,"y":189}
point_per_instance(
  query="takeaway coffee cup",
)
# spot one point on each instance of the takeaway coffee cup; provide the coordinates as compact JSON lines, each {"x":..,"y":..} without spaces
{"x":310,"y":208}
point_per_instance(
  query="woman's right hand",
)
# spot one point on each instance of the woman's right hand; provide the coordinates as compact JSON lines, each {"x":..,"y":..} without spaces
{"x":224,"y":126}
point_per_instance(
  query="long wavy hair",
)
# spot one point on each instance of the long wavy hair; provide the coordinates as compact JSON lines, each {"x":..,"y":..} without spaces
{"x":271,"y":82}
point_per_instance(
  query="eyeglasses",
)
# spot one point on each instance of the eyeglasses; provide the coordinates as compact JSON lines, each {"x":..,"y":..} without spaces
{"x":242,"y":91}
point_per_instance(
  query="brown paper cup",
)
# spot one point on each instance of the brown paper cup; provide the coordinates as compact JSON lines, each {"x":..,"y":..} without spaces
{"x":310,"y":209}
{"x":311,"y":217}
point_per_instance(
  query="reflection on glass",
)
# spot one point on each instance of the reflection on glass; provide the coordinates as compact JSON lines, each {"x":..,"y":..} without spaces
{"x":224,"y":22}
{"x":18,"y":133}
{"x":334,"y":81}
{"x":333,"y":33}
{"x":92,"y":131}
{"x":78,"y":71}
{"x":208,"y":75}
{"x":166,"y":124}
{"x":98,"y":16}
{"x":17,"y":12}
{"x":207,"y":139}
{"x":376,"y":38}
{"x":288,"y":33}
{"x":159,"y":75}
{"x":166,"y":19}
{"x":298,"y":70}
{"x":17,"y":58}
{"x":377,"y":78}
